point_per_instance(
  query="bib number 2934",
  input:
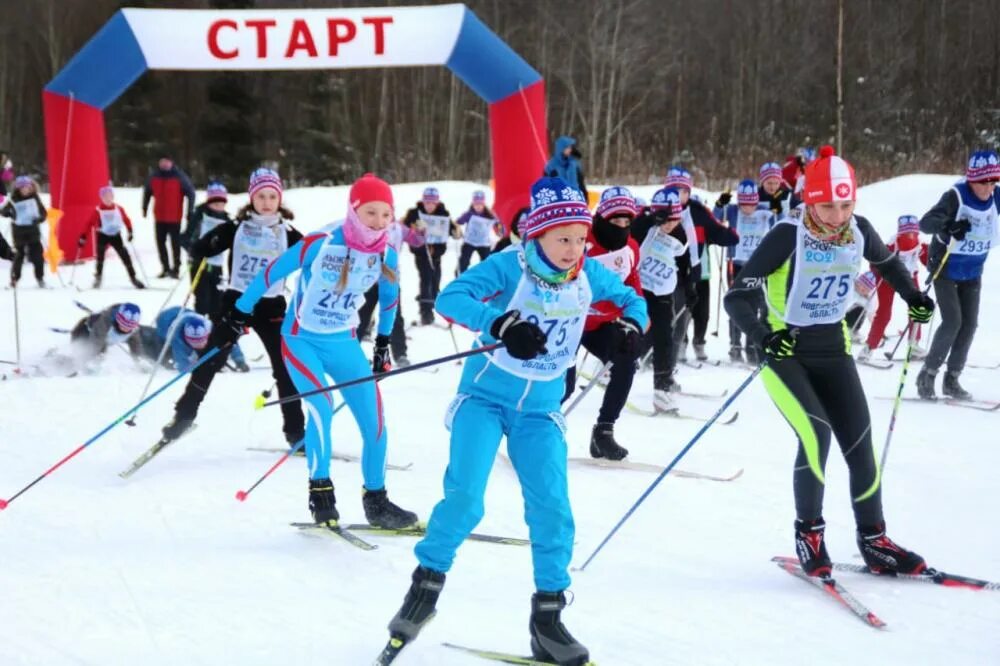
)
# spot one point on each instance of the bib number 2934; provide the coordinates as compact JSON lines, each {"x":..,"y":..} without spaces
{"x":969,"y":246}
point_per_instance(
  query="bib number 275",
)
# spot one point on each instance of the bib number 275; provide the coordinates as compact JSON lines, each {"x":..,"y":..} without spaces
{"x":549,"y":325}
{"x":819,"y":287}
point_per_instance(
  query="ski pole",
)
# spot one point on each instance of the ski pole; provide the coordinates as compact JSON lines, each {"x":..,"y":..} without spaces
{"x":385,"y":375}
{"x":930,"y":283}
{"x":906,"y":367}
{"x":454,"y":341}
{"x":718,"y":296}
{"x":606,"y":368}
{"x":135,"y":255}
{"x":106,"y":429}
{"x":17,"y":330}
{"x":673,"y":463}
{"x":241,"y":495}
{"x":170,"y":336}
{"x":170,"y":294}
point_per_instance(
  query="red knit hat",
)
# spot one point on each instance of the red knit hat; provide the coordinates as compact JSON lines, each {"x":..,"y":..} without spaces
{"x":370,"y":188}
{"x":829,"y":178}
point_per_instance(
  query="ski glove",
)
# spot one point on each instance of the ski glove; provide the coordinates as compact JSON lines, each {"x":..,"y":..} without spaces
{"x":626,"y":338}
{"x":232,"y":325}
{"x":779,"y":344}
{"x":958,"y":228}
{"x":723,"y":199}
{"x":921,"y":308}
{"x":380,"y":359}
{"x":522,"y":338}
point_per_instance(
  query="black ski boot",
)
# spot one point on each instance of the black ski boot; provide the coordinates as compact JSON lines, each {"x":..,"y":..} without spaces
{"x":550,"y":640}
{"x":323,"y":502}
{"x":811,"y":548}
{"x":925,"y":384}
{"x":951,"y":388}
{"x":177,"y":427}
{"x":419,"y":605}
{"x":699,"y":351}
{"x":883,"y":556}
{"x":380,"y":512}
{"x":97,"y":281}
{"x":603,"y":444}
{"x":736,"y":354}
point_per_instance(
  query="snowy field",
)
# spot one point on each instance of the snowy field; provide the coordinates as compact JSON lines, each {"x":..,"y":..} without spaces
{"x":168,"y":568}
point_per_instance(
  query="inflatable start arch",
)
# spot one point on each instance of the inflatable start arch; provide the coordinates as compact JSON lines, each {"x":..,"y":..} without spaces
{"x":135,"y":40}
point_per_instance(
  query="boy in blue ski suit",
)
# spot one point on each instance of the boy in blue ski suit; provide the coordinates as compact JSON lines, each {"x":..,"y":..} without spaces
{"x":186,"y":343}
{"x":534,"y":299}
{"x":318,"y":338}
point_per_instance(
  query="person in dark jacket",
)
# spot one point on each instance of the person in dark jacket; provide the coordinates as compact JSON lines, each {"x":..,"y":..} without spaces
{"x":513,"y":237}
{"x":774,"y":191}
{"x":431,"y":219}
{"x":169,"y":186}
{"x":26,"y":209}
{"x":565,"y":164}
{"x":477,"y":222}
{"x":967,"y":219}
{"x":115,"y":324}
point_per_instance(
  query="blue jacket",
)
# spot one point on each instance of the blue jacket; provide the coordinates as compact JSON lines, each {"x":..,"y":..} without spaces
{"x":301,"y":257}
{"x":566,"y":167}
{"x":478,"y":296}
{"x":183,"y":354}
{"x":960,"y":267}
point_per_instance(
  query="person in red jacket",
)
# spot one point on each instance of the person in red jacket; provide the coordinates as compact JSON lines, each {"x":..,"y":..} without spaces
{"x":611,"y":244}
{"x":909,"y":248}
{"x":108,"y":220}
{"x":169,"y":186}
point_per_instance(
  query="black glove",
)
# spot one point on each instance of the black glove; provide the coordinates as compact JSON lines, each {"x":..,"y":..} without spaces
{"x":81,"y":241}
{"x":523,"y":339}
{"x":129,"y":236}
{"x":723,"y":199}
{"x":921,"y":308}
{"x":626,"y":338}
{"x":779,"y":344}
{"x":691,"y":295}
{"x":232,"y":325}
{"x":958,"y":228}
{"x":380,"y":359}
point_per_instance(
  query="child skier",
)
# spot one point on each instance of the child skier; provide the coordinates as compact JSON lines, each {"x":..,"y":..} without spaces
{"x":28,"y":213}
{"x":534,"y":299}
{"x":774,"y":192}
{"x":477,"y":222}
{"x":190,"y":337}
{"x":318,"y":339}
{"x":115,"y":324}
{"x":513,"y":237}
{"x":431,"y":219}
{"x":808,"y":263}
{"x":907,"y":245}
{"x":751,"y":221}
{"x":664,"y":269}
{"x":260,"y":234}
{"x":107,"y":221}
{"x":611,"y":246}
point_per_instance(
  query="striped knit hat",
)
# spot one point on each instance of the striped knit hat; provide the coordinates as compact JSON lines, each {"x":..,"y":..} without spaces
{"x":983,"y":165}
{"x":908,"y":224}
{"x":616,"y":201}
{"x":195,"y":331}
{"x":865,"y":283}
{"x":829,"y":178}
{"x":264,"y":178}
{"x":216,"y":191}
{"x":769,"y":170}
{"x":678,"y":176}
{"x":554,"y":204}
{"x":746,"y":193}
{"x":430,"y":195}
{"x":107,"y":189}
{"x":668,"y":200}
{"x":479,"y":197}
{"x":127,"y":316}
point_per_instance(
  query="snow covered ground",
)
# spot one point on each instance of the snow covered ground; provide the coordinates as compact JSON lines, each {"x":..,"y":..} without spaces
{"x":169,"y":568}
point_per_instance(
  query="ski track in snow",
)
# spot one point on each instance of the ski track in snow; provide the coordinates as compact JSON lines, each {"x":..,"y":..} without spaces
{"x":169,"y":568}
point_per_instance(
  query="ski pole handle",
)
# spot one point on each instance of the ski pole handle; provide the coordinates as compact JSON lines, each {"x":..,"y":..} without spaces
{"x":108,"y":428}
{"x":381,"y":376}
{"x":673,"y":463}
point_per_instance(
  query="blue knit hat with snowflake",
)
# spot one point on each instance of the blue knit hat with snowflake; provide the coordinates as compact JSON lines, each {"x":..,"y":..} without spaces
{"x":983,"y":165}
{"x":746,"y":193}
{"x":616,"y":200}
{"x":554,"y":203}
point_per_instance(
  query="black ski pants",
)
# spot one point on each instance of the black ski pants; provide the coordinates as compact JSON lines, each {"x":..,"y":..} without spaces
{"x":171,"y":231}
{"x":465,"y":257}
{"x":958,"y":303}
{"x":600,"y":343}
{"x":428,"y":259}
{"x":115,"y":241}
{"x":397,"y":339}
{"x":660,"y":336}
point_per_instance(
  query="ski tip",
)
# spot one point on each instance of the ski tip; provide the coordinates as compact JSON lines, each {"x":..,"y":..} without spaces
{"x":3,"y":504}
{"x":241,"y":495}
{"x":258,"y":402}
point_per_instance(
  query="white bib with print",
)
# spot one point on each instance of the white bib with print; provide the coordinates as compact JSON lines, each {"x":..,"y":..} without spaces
{"x":438,"y":227}
{"x":254,"y":249}
{"x":658,"y":263}
{"x":823,"y":282}
{"x":324,"y":308}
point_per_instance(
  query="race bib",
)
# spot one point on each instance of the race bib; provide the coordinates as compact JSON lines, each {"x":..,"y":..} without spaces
{"x":25,"y":212}
{"x":254,"y":249}
{"x":823,"y":282}
{"x":324,"y":306}
{"x":980,"y":238}
{"x":111,"y":221}
{"x":438,"y":227}
{"x":751,"y":229}
{"x":657,"y":262}
{"x":618,"y":261}
{"x":477,"y":231}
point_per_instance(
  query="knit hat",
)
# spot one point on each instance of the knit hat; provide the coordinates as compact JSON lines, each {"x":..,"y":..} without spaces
{"x":678,"y":176}
{"x":264,"y":178}
{"x":479,"y":197}
{"x":23,"y":181}
{"x":769,"y":170}
{"x":195,"y":330}
{"x":127,"y":316}
{"x":616,"y":201}
{"x":430,"y":195}
{"x":983,"y":165}
{"x":865,"y":283}
{"x":554,"y":204}
{"x":829,"y":178}
{"x":908,"y":224}
{"x":746,"y":193}
{"x":668,"y":200}
{"x":107,"y":189}
{"x":216,"y":191}
{"x":370,"y":188}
